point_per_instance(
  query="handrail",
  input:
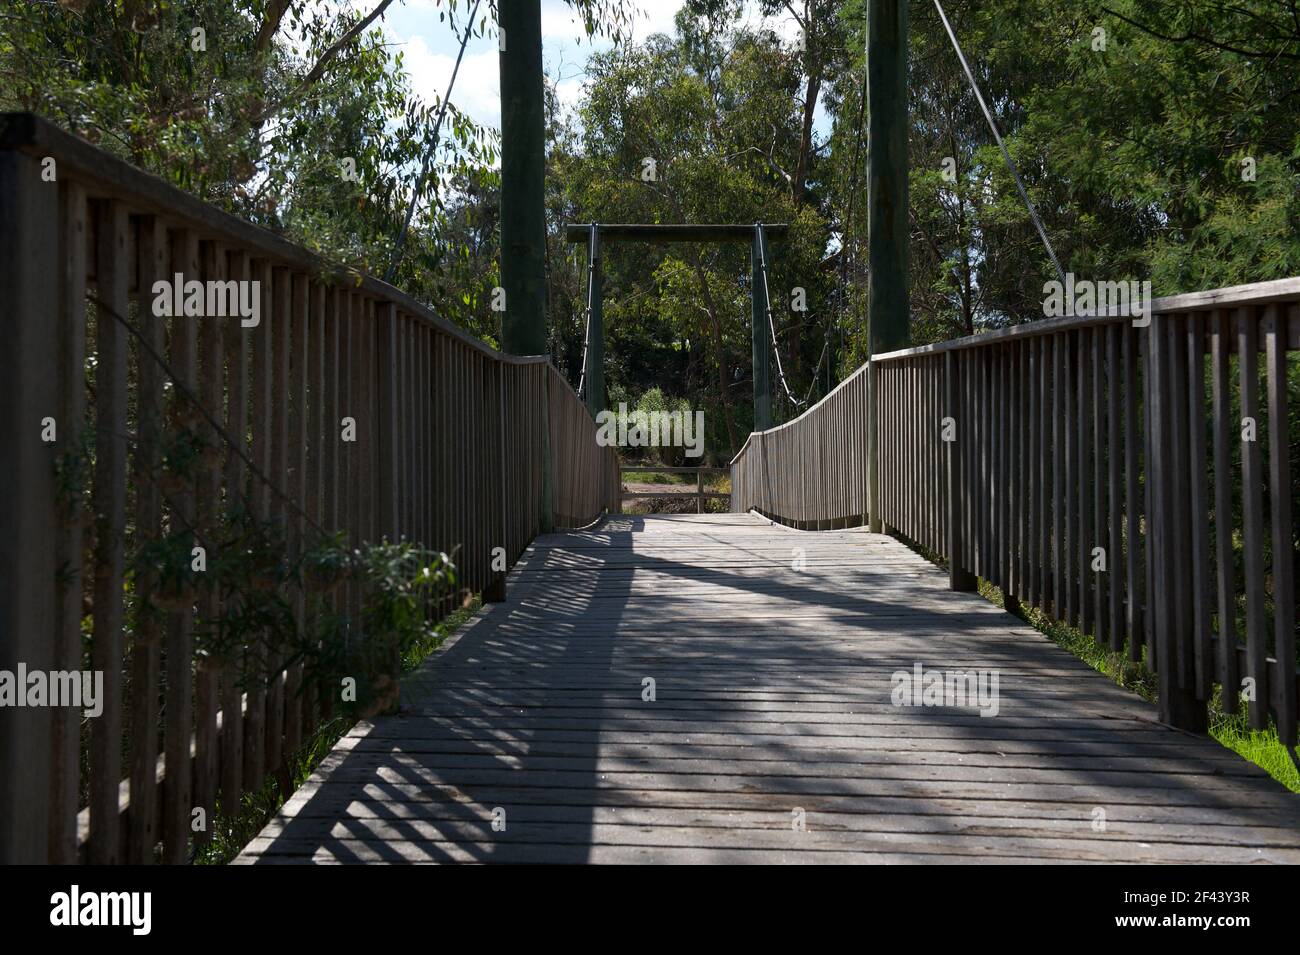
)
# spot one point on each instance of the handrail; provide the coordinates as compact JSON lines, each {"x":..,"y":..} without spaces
{"x":1234,"y":296}
{"x":104,"y":173}
{"x":1071,"y":462}
{"x":347,"y":406}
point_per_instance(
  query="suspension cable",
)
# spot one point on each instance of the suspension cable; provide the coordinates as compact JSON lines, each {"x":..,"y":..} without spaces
{"x":771,"y":323}
{"x":591,"y":286}
{"x":433,"y":145}
{"x":1015,"y":173}
{"x":816,"y":371}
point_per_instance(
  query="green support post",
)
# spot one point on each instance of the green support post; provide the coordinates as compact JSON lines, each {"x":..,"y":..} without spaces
{"x":761,"y":350}
{"x":523,"y":217}
{"x":887,"y":227}
{"x":523,"y":147}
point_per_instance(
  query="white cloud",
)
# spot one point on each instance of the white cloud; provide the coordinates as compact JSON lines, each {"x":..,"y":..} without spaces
{"x":478,"y":84}
{"x":655,"y":16}
{"x":560,"y":22}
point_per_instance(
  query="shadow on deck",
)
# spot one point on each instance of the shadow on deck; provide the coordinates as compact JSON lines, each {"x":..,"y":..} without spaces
{"x":529,"y":737}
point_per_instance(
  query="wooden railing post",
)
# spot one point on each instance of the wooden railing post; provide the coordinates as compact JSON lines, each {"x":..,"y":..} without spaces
{"x":386,"y":365}
{"x":959,"y":578}
{"x":29,"y":209}
{"x":1178,"y":704}
{"x":495,"y":592}
{"x":876,"y":524}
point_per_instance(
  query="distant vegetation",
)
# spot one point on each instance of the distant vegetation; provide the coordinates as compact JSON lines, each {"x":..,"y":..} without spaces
{"x":1159,"y":140}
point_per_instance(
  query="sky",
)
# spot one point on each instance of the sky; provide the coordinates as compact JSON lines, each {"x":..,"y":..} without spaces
{"x":429,"y":50}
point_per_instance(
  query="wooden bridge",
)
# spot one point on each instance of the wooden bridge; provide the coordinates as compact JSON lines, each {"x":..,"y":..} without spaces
{"x":771,"y":735}
{"x":743,"y":687}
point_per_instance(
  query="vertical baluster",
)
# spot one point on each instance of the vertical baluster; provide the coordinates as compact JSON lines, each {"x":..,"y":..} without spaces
{"x":282,"y":296}
{"x":1042,"y":455}
{"x":1084,"y":541}
{"x":315,"y":500}
{"x":1114,"y":458}
{"x":1199,"y":507}
{"x":179,"y":702}
{"x":211,"y":528}
{"x":1060,"y":437}
{"x":231,"y":689}
{"x":111,"y":272}
{"x":1135,"y":563}
{"x":1100,"y":536}
{"x":1180,"y":592}
{"x":69,"y":555}
{"x":1275,"y":342}
{"x":296,"y":488}
{"x":260,"y":341}
{"x":1224,"y":432}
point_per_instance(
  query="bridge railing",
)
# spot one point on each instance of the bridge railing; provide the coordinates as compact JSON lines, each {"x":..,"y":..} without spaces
{"x":1136,"y":482}
{"x":699,"y":495}
{"x":347,"y":407}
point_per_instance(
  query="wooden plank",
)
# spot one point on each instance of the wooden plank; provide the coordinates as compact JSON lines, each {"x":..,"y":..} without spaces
{"x":386,"y":486}
{"x":1100,"y":448}
{"x":178,"y":703}
{"x":109,"y":501}
{"x":1283,"y":544}
{"x":296,"y":488}
{"x":1178,"y":492}
{"x":1081,"y":486}
{"x":262,"y":345}
{"x":38,"y":344}
{"x":1060,"y":438}
{"x":211,"y":516}
{"x":152,"y":245}
{"x":280,"y":319}
{"x":1042,"y":455}
{"x":1224,"y":432}
{"x":236,"y":479}
{"x":315,"y":500}
{"x":1134,"y":560}
{"x":1117,"y":564}
{"x":1198,"y":526}
{"x":65,"y":753}
{"x":1252,"y":514}
{"x":538,"y":710}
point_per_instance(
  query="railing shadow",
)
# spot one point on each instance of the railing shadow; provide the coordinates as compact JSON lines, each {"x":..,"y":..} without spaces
{"x":531,"y":711}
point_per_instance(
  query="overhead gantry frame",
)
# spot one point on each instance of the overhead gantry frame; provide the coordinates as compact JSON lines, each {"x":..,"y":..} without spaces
{"x":594,"y":233}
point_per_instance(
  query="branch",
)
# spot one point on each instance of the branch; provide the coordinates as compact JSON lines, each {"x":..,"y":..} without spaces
{"x":275,"y":11}
{"x":1201,"y":38}
{"x":317,"y":71}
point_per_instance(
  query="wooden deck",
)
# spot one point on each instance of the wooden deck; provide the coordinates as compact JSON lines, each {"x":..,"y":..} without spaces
{"x":772,"y":694}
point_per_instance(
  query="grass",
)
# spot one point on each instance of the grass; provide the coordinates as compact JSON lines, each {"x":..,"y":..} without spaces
{"x":1261,"y":747}
{"x":258,"y":808}
{"x":658,"y":477}
{"x":718,"y":483}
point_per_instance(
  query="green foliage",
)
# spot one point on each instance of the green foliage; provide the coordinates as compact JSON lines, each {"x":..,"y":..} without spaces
{"x":396,"y":585}
{"x":1133,"y":154}
{"x":261,"y":121}
{"x":717,"y":108}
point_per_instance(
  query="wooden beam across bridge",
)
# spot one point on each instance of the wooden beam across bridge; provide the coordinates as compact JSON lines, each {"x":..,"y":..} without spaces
{"x":716,"y":688}
{"x":675,"y":232}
